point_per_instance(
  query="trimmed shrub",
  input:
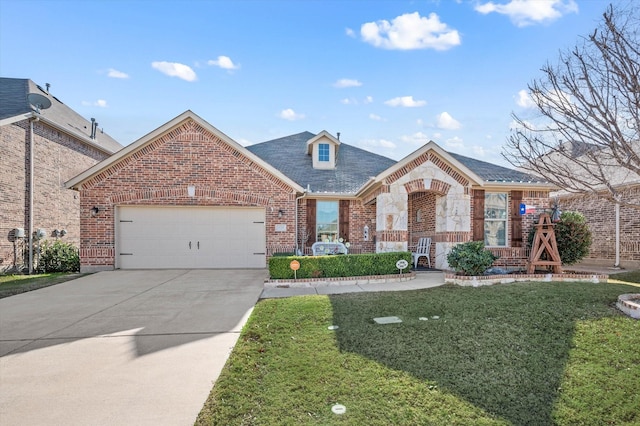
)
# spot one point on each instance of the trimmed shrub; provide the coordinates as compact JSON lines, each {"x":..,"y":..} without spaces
{"x":470,"y":258}
{"x":58,"y":257}
{"x":573,"y":237}
{"x":347,"y":265}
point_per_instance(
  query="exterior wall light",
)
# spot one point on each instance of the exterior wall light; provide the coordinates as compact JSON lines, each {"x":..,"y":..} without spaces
{"x":94,"y":211}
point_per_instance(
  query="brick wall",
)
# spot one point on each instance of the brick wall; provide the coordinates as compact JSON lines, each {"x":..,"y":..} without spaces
{"x":160,"y":173}
{"x":600,"y":215}
{"x":58,"y":157}
{"x":426,"y":227}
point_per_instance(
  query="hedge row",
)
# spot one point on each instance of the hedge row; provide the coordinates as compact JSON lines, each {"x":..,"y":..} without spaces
{"x":348,"y":265}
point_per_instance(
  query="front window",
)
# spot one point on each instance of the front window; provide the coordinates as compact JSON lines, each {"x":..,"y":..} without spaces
{"x":495,"y":219}
{"x":327,"y":221}
{"x":323,"y":152}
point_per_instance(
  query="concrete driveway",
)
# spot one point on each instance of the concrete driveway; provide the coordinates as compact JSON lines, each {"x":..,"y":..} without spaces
{"x":121,"y":347}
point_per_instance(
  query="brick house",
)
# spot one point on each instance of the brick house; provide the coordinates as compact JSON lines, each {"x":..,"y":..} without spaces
{"x":615,"y":230}
{"x":188,"y":196}
{"x":61,"y":144}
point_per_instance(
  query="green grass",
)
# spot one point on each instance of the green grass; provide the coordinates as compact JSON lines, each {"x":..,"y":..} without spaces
{"x":630,"y":277}
{"x":16,"y":284}
{"x":522,"y":353}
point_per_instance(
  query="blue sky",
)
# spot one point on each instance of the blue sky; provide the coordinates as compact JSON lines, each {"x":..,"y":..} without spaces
{"x":388,"y":75}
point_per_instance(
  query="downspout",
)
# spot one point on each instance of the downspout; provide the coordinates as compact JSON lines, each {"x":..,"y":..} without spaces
{"x":617,"y":264}
{"x":31,"y":169}
{"x":304,"y":194}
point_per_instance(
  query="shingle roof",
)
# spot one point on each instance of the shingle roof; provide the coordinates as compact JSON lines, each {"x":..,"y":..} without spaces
{"x":493,"y":173}
{"x":14,"y":102}
{"x":354,"y":167}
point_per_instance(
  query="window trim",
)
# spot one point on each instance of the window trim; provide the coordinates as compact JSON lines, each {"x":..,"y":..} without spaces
{"x":496,"y":220}
{"x":318,"y":222}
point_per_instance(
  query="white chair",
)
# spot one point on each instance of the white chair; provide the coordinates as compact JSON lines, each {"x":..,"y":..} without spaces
{"x":422,"y":250}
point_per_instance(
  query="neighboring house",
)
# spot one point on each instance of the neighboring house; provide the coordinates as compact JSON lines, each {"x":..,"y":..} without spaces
{"x":61,"y":144}
{"x":615,"y":229}
{"x":188,"y":196}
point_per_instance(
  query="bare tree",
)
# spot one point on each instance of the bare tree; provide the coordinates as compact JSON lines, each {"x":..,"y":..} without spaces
{"x":584,"y":137}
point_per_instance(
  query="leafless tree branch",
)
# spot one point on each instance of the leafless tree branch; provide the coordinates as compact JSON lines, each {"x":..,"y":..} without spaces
{"x":585,"y":134}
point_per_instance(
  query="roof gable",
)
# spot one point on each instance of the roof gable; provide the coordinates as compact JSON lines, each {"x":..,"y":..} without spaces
{"x":169,"y":130}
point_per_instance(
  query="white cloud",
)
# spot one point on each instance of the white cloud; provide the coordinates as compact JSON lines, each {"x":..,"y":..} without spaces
{"x":291,"y":115}
{"x":368,"y":99}
{"x":524,"y":100}
{"x":447,"y":122}
{"x":345,"y":82}
{"x":410,"y":31}
{"x":350,"y":32}
{"x":418,"y":138}
{"x":348,"y":101}
{"x":378,"y":143}
{"x":175,"y":69}
{"x":405,"y":101}
{"x":479,"y":151}
{"x":529,"y":12}
{"x":223,"y":62}
{"x":376,"y":117}
{"x":454,"y":142}
{"x":99,"y":103}
{"x":113,"y":73}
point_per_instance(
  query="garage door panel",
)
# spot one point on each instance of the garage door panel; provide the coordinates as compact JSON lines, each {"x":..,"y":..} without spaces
{"x":159,"y":237}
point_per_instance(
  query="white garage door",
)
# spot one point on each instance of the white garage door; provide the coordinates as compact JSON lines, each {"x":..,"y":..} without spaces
{"x":190,"y":237}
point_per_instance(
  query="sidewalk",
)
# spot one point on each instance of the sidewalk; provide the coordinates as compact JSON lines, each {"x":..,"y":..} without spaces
{"x":422,"y":280}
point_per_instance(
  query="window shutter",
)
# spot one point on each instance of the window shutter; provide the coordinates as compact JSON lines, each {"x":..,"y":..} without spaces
{"x":344,"y":219}
{"x":516,"y":219}
{"x":311,"y":221}
{"x":478,"y":215}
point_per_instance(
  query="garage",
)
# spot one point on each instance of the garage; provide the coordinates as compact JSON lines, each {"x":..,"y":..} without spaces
{"x":153,"y":237}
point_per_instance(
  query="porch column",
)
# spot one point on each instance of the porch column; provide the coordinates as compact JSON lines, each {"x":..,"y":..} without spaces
{"x":453,"y":222}
{"x":392,"y":221}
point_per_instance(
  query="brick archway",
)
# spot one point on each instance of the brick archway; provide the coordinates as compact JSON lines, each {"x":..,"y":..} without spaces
{"x":430,"y":185}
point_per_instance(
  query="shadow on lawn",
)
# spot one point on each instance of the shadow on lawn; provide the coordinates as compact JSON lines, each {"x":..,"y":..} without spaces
{"x":501,"y":348}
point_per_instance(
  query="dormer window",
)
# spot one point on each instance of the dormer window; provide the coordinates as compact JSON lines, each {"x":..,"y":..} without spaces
{"x":323,"y":152}
{"x":324,"y":149}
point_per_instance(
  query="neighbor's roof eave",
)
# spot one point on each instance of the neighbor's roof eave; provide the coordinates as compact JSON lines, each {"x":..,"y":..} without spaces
{"x":80,"y":136}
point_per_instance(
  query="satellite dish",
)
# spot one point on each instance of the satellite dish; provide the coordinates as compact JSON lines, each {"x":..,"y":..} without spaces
{"x":38,"y":101}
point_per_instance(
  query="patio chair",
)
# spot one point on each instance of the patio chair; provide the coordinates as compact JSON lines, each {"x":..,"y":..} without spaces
{"x":422,"y":250}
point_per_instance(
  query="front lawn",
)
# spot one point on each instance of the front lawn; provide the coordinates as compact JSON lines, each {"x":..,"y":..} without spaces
{"x":16,"y":284}
{"x":521,"y":353}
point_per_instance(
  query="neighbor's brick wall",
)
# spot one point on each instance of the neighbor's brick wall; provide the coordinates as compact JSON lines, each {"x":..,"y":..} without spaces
{"x":600,"y":215}
{"x":160,"y":173}
{"x":57,"y":158}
